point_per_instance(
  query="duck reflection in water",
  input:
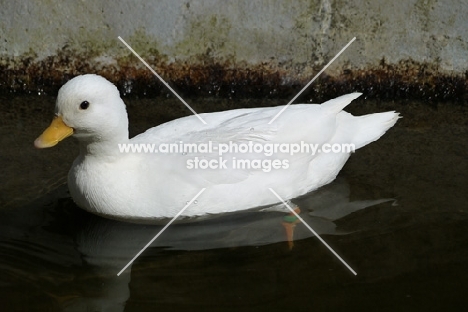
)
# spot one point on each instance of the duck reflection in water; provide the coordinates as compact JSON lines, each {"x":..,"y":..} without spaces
{"x":62,"y":244}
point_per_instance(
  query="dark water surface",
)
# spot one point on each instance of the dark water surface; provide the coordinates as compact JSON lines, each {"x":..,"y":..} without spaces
{"x":398,"y":215}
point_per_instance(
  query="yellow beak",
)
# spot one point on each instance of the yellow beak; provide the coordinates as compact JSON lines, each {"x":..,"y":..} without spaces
{"x":56,"y":132}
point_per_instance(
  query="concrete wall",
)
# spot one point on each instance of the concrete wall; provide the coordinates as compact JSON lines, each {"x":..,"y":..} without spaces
{"x":286,"y":40}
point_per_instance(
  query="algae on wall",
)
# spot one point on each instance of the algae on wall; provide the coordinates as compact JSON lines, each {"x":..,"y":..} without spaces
{"x":291,"y":39}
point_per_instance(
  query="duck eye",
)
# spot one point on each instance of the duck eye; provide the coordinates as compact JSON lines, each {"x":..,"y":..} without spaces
{"x":84,"y":105}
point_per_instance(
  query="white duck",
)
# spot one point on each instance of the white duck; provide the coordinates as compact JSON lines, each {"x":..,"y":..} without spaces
{"x":145,"y":187}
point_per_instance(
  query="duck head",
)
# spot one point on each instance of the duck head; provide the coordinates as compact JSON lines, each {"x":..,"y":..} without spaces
{"x":88,"y":107}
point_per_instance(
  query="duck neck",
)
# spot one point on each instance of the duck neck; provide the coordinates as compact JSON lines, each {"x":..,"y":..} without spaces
{"x":109,"y":149}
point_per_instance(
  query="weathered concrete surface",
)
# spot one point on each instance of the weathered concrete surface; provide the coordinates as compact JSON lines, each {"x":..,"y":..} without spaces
{"x":251,"y":48}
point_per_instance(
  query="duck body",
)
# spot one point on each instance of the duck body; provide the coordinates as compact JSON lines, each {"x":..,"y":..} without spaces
{"x":148,"y":187}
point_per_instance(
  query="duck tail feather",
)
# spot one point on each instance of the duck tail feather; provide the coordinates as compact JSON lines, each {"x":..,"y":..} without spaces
{"x":336,"y":105}
{"x":369,"y":128}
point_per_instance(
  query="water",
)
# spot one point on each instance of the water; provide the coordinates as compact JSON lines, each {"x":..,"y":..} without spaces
{"x":397,"y":215}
